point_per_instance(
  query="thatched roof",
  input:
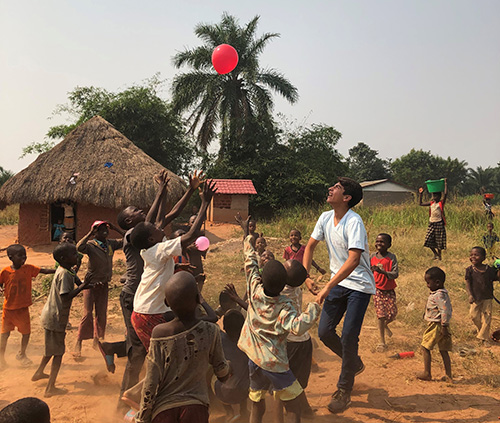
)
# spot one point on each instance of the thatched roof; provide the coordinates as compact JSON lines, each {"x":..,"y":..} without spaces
{"x":112,"y":172}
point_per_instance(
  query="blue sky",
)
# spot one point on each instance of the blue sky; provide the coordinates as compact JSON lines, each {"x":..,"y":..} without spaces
{"x":395,"y":74}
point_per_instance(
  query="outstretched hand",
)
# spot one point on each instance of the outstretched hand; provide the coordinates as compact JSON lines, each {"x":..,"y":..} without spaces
{"x":420,"y":190}
{"x":321,"y":296}
{"x":162,"y":178}
{"x":238,"y":218}
{"x":196,"y":179}
{"x":230,"y":290}
{"x":311,"y":286}
{"x":209,"y":191}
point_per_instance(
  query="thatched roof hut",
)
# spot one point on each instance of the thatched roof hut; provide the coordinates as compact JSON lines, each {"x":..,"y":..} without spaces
{"x":96,"y":169}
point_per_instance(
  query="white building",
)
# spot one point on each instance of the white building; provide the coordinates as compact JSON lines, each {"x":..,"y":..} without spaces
{"x":385,"y":191}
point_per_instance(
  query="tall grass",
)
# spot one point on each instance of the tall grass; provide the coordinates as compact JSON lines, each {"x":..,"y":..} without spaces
{"x":462,"y":214}
{"x":10,"y":215}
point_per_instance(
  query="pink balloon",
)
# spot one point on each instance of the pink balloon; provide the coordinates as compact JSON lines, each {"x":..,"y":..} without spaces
{"x":224,"y":58}
{"x":202,"y":243}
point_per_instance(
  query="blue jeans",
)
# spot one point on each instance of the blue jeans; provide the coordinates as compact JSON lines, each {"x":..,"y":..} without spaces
{"x":353,"y":304}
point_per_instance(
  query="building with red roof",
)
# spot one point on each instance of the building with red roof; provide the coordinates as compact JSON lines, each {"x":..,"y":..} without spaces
{"x":231,"y":198}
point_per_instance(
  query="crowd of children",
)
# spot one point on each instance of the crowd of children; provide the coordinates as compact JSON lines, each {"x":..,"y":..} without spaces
{"x":265,"y":346}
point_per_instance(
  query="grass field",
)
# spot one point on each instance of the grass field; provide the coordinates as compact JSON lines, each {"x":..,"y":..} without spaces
{"x":407,"y":225}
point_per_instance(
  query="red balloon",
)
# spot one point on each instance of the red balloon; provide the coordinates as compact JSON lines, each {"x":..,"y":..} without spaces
{"x":224,"y":58}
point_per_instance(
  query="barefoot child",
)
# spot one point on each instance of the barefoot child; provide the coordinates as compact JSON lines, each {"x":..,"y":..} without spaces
{"x":157,"y":253}
{"x":435,"y":238}
{"x":128,"y":219}
{"x":55,"y":314}
{"x":295,"y":251}
{"x":385,"y":270}
{"x":99,"y":250}
{"x":16,"y":283}
{"x":181,"y":351}
{"x":270,"y":318}
{"x":479,"y":279}
{"x":438,"y":314}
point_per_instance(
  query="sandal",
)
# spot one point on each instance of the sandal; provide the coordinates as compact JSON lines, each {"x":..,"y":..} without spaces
{"x":381,"y":348}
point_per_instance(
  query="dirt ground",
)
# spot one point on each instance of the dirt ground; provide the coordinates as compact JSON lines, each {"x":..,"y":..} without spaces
{"x":386,"y":391}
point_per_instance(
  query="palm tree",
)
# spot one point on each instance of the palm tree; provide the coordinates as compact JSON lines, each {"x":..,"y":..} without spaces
{"x":482,"y":180}
{"x":227,"y":102}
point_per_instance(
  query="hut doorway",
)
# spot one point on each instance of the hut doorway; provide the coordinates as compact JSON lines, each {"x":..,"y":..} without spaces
{"x":56,"y":221}
{"x":62,"y":219}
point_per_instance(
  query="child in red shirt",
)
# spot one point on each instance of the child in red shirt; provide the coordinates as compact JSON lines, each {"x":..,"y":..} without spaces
{"x":295,"y":251}
{"x":384,"y":266}
{"x":16,"y":283}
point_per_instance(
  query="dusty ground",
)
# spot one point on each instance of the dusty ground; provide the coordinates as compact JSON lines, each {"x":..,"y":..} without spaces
{"x":386,"y":392}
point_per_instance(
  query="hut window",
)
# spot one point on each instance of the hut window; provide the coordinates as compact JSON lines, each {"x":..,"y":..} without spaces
{"x":222,"y":201}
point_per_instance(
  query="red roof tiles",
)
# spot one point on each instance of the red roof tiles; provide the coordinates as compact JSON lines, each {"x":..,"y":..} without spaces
{"x":235,"y":186}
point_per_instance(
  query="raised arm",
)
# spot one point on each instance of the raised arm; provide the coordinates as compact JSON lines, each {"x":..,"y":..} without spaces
{"x":445,"y":194}
{"x":117,"y":229}
{"x":82,"y":244}
{"x":420,"y":194}
{"x":195,"y":180}
{"x":243,"y":224}
{"x":251,"y":264}
{"x":163,"y":180}
{"x":230,"y":290}
{"x":208,"y":192}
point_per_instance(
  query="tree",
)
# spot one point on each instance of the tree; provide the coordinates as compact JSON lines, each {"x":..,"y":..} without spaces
{"x":365,"y":165}
{"x":287,"y":168}
{"x":481,"y":180}
{"x":414,"y":168}
{"x":139,"y":113}
{"x":5,"y":175}
{"x":234,"y":101}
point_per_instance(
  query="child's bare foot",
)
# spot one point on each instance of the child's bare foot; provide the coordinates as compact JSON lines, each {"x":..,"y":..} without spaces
{"x":381,"y":348}
{"x":39,"y":376}
{"x":50,"y":392}
{"x":423,"y":376}
{"x":25,"y":361}
{"x":446,"y":378}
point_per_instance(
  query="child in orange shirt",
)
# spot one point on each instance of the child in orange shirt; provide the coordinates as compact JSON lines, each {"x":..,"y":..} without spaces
{"x":16,"y":283}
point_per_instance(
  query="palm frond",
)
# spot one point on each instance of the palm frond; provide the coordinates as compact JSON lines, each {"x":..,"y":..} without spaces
{"x":278,"y":83}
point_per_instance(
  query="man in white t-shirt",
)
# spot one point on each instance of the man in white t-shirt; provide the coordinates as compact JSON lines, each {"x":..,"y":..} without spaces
{"x":349,"y":290}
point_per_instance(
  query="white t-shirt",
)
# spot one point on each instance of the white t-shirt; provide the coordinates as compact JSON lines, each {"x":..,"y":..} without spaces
{"x":158,"y":269}
{"x":350,"y":233}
